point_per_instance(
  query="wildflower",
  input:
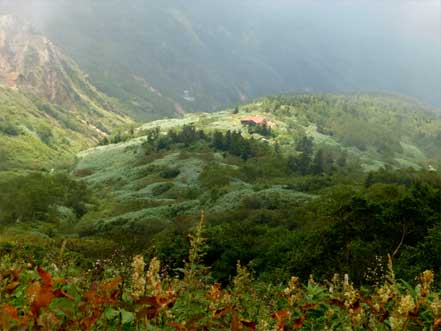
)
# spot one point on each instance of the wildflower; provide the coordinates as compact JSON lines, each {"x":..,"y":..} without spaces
{"x":406,"y":305}
{"x":356,"y":316}
{"x":138,"y":276}
{"x":346,"y":280}
{"x":330,"y":313}
{"x":384,"y":293}
{"x":435,"y":305}
{"x":153,"y":278}
{"x":292,"y":285}
{"x":426,"y":280}
{"x":290,"y":292}
{"x":263,"y":325}
{"x":376,"y":307}
{"x":397,"y":323}
{"x":350,"y":294}
{"x":311,"y":281}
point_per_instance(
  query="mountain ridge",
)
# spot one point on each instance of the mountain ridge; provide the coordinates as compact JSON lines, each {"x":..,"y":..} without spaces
{"x":47,"y":103}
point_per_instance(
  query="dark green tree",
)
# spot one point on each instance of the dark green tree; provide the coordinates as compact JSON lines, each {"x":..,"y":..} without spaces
{"x":218,"y":140}
{"x":318,"y":163}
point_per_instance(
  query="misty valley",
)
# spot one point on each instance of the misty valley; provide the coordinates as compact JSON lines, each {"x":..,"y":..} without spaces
{"x":185,"y":165}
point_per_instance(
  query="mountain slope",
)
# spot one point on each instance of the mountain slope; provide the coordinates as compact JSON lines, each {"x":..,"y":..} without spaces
{"x":151,"y":181}
{"x":48,"y":108}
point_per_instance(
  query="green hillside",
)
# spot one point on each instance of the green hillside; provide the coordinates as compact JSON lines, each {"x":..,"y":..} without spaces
{"x":49,"y":111}
{"x":162,"y":179}
{"x":304,"y":195}
{"x":149,"y":180}
{"x":372,"y":130}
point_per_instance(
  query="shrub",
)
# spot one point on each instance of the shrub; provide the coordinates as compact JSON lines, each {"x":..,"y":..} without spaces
{"x":170,"y":173}
{"x":161,"y":188}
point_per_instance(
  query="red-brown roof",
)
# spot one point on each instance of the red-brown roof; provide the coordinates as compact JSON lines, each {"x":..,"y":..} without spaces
{"x":259,"y":120}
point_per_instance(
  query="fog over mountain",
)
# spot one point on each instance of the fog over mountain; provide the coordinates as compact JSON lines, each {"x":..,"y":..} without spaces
{"x":204,"y":55}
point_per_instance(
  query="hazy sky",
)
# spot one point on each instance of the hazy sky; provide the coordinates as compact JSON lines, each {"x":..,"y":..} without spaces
{"x":365,"y":44}
{"x":423,"y":15}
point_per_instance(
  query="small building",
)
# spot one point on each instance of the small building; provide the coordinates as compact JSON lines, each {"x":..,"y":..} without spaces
{"x":256,"y":121}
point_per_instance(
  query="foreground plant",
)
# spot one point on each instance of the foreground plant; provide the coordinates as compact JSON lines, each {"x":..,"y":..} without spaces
{"x":34,"y":299}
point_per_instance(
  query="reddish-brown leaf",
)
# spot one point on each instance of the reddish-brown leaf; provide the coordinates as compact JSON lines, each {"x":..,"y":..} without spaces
{"x":11,"y":312}
{"x":13,"y":274}
{"x":308,"y":307}
{"x":42,"y":300}
{"x":46,"y":277}
{"x":87,"y":323}
{"x":281,"y":315}
{"x":147,"y":301}
{"x":149,"y":312}
{"x":59,"y":293}
{"x":337,"y":303}
{"x":178,"y":326}
{"x":437,"y":324}
{"x":11,"y":287}
{"x":249,"y":324}
{"x":235,"y":322}
{"x":111,"y":284}
{"x":298,"y":323}
{"x":220,"y":312}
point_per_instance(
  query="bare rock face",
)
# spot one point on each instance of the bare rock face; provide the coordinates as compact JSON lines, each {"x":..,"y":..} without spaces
{"x":29,"y":61}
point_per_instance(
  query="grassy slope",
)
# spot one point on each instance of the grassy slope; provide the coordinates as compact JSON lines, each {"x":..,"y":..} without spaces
{"x":36,"y":134}
{"x":143,"y":195}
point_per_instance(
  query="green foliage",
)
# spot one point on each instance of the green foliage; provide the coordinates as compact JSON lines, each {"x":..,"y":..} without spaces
{"x":39,"y":135}
{"x":297,"y":203}
{"x":36,"y":197}
{"x":132,"y":297}
{"x":232,"y":141}
{"x":305,"y":199}
{"x":263,"y":130}
{"x":368,"y":122}
{"x":170,"y":173}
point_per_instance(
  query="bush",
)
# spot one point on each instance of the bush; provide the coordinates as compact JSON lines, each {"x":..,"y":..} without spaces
{"x":10,"y":130}
{"x":161,"y":188}
{"x":34,"y":197}
{"x":170,"y":173}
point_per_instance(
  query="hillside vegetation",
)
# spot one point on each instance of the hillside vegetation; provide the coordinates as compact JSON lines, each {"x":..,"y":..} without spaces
{"x":301,"y":194}
{"x":133,"y":298}
{"x":298,"y":174}
{"x":299,"y":211}
{"x":48,"y":109}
